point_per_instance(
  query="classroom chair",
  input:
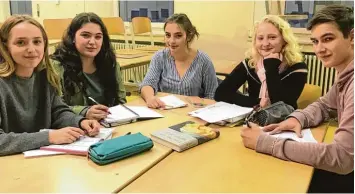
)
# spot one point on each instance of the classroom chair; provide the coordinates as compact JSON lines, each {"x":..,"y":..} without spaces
{"x":55,"y":28}
{"x":141,"y":25}
{"x":309,"y":95}
{"x":115,"y":26}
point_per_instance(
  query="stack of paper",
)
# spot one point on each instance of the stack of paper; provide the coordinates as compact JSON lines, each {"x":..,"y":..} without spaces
{"x":172,"y":102}
{"x":221,"y":111}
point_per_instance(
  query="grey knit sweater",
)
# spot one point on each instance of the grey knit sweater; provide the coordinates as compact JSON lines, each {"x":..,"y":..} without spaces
{"x":28,"y":105}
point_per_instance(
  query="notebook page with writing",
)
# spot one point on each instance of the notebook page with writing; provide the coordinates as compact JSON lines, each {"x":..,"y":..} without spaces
{"x":172,"y":101}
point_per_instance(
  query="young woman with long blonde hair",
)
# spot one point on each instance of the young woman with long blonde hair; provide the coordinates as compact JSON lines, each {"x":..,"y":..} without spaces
{"x":274,"y":68}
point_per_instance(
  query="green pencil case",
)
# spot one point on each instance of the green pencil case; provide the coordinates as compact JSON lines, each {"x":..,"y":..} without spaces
{"x":109,"y":151}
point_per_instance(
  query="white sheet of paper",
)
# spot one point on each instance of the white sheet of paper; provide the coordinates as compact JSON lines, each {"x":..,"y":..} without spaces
{"x":145,"y":112}
{"x":37,"y":153}
{"x":172,"y":101}
{"x":307,"y":136}
{"x":220,"y":111}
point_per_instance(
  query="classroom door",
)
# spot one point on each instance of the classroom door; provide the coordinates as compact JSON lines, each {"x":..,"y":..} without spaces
{"x":21,"y":7}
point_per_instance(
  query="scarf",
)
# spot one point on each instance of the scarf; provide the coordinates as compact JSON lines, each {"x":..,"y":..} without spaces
{"x":260,"y":71}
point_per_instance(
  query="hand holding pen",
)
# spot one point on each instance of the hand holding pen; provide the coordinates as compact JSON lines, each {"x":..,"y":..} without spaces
{"x":97,"y":111}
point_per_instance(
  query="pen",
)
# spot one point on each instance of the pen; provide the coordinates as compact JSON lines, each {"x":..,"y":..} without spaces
{"x":247,"y":123}
{"x":94,"y":101}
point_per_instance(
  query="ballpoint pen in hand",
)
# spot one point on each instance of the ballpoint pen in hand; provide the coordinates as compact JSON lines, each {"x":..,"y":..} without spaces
{"x":94,"y":101}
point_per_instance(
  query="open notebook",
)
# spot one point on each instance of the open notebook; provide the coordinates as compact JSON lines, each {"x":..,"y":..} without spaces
{"x":122,"y":114}
{"x":81,"y":146}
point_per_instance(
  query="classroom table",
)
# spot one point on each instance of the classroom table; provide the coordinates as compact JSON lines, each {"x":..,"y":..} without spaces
{"x":225,"y":165}
{"x":134,"y":62}
{"x":70,"y":173}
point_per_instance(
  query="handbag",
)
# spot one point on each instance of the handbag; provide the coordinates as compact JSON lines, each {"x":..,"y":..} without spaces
{"x":115,"y":149}
{"x":273,"y":113}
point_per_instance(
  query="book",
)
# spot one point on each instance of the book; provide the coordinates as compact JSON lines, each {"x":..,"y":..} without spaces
{"x":122,"y":114}
{"x":81,"y":146}
{"x":221,"y":113}
{"x":185,"y":135}
{"x":172,"y":102}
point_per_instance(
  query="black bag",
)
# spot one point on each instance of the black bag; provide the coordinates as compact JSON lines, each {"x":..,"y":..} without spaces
{"x":273,"y":113}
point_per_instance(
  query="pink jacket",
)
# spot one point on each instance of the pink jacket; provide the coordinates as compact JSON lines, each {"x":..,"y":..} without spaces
{"x":336,"y":157}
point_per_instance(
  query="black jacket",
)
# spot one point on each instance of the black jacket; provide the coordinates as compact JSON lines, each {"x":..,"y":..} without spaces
{"x":286,"y":87}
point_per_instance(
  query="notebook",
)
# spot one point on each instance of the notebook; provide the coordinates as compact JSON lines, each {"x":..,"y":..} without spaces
{"x":172,"y":102}
{"x":307,"y":136}
{"x":81,"y":146}
{"x":185,"y":135}
{"x":122,"y":114}
{"x":221,"y":112}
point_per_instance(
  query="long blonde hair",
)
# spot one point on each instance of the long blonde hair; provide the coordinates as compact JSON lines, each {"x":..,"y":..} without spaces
{"x":291,"y":52}
{"x":7,"y":67}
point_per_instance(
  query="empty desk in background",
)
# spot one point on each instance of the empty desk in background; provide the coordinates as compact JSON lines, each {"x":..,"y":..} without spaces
{"x":224,"y":66}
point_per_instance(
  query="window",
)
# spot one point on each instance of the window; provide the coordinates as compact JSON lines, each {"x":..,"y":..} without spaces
{"x":307,"y":9}
{"x":157,"y":11}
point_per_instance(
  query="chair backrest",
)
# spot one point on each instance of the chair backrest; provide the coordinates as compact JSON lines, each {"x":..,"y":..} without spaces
{"x":114,"y":25}
{"x":55,"y":28}
{"x":309,"y":95}
{"x":141,"y":25}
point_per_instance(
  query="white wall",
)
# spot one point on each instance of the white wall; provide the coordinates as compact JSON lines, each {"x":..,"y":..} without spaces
{"x":4,"y":9}
{"x":68,"y":9}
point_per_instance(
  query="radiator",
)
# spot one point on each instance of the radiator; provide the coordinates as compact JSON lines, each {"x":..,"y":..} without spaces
{"x":135,"y":74}
{"x":318,"y":74}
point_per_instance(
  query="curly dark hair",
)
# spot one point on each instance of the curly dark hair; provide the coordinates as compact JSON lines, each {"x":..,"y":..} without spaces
{"x":69,"y":57}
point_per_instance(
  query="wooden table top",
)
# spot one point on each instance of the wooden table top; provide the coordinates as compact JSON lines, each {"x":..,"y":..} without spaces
{"x":225,"y":165}
{"x":69,"y":173}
